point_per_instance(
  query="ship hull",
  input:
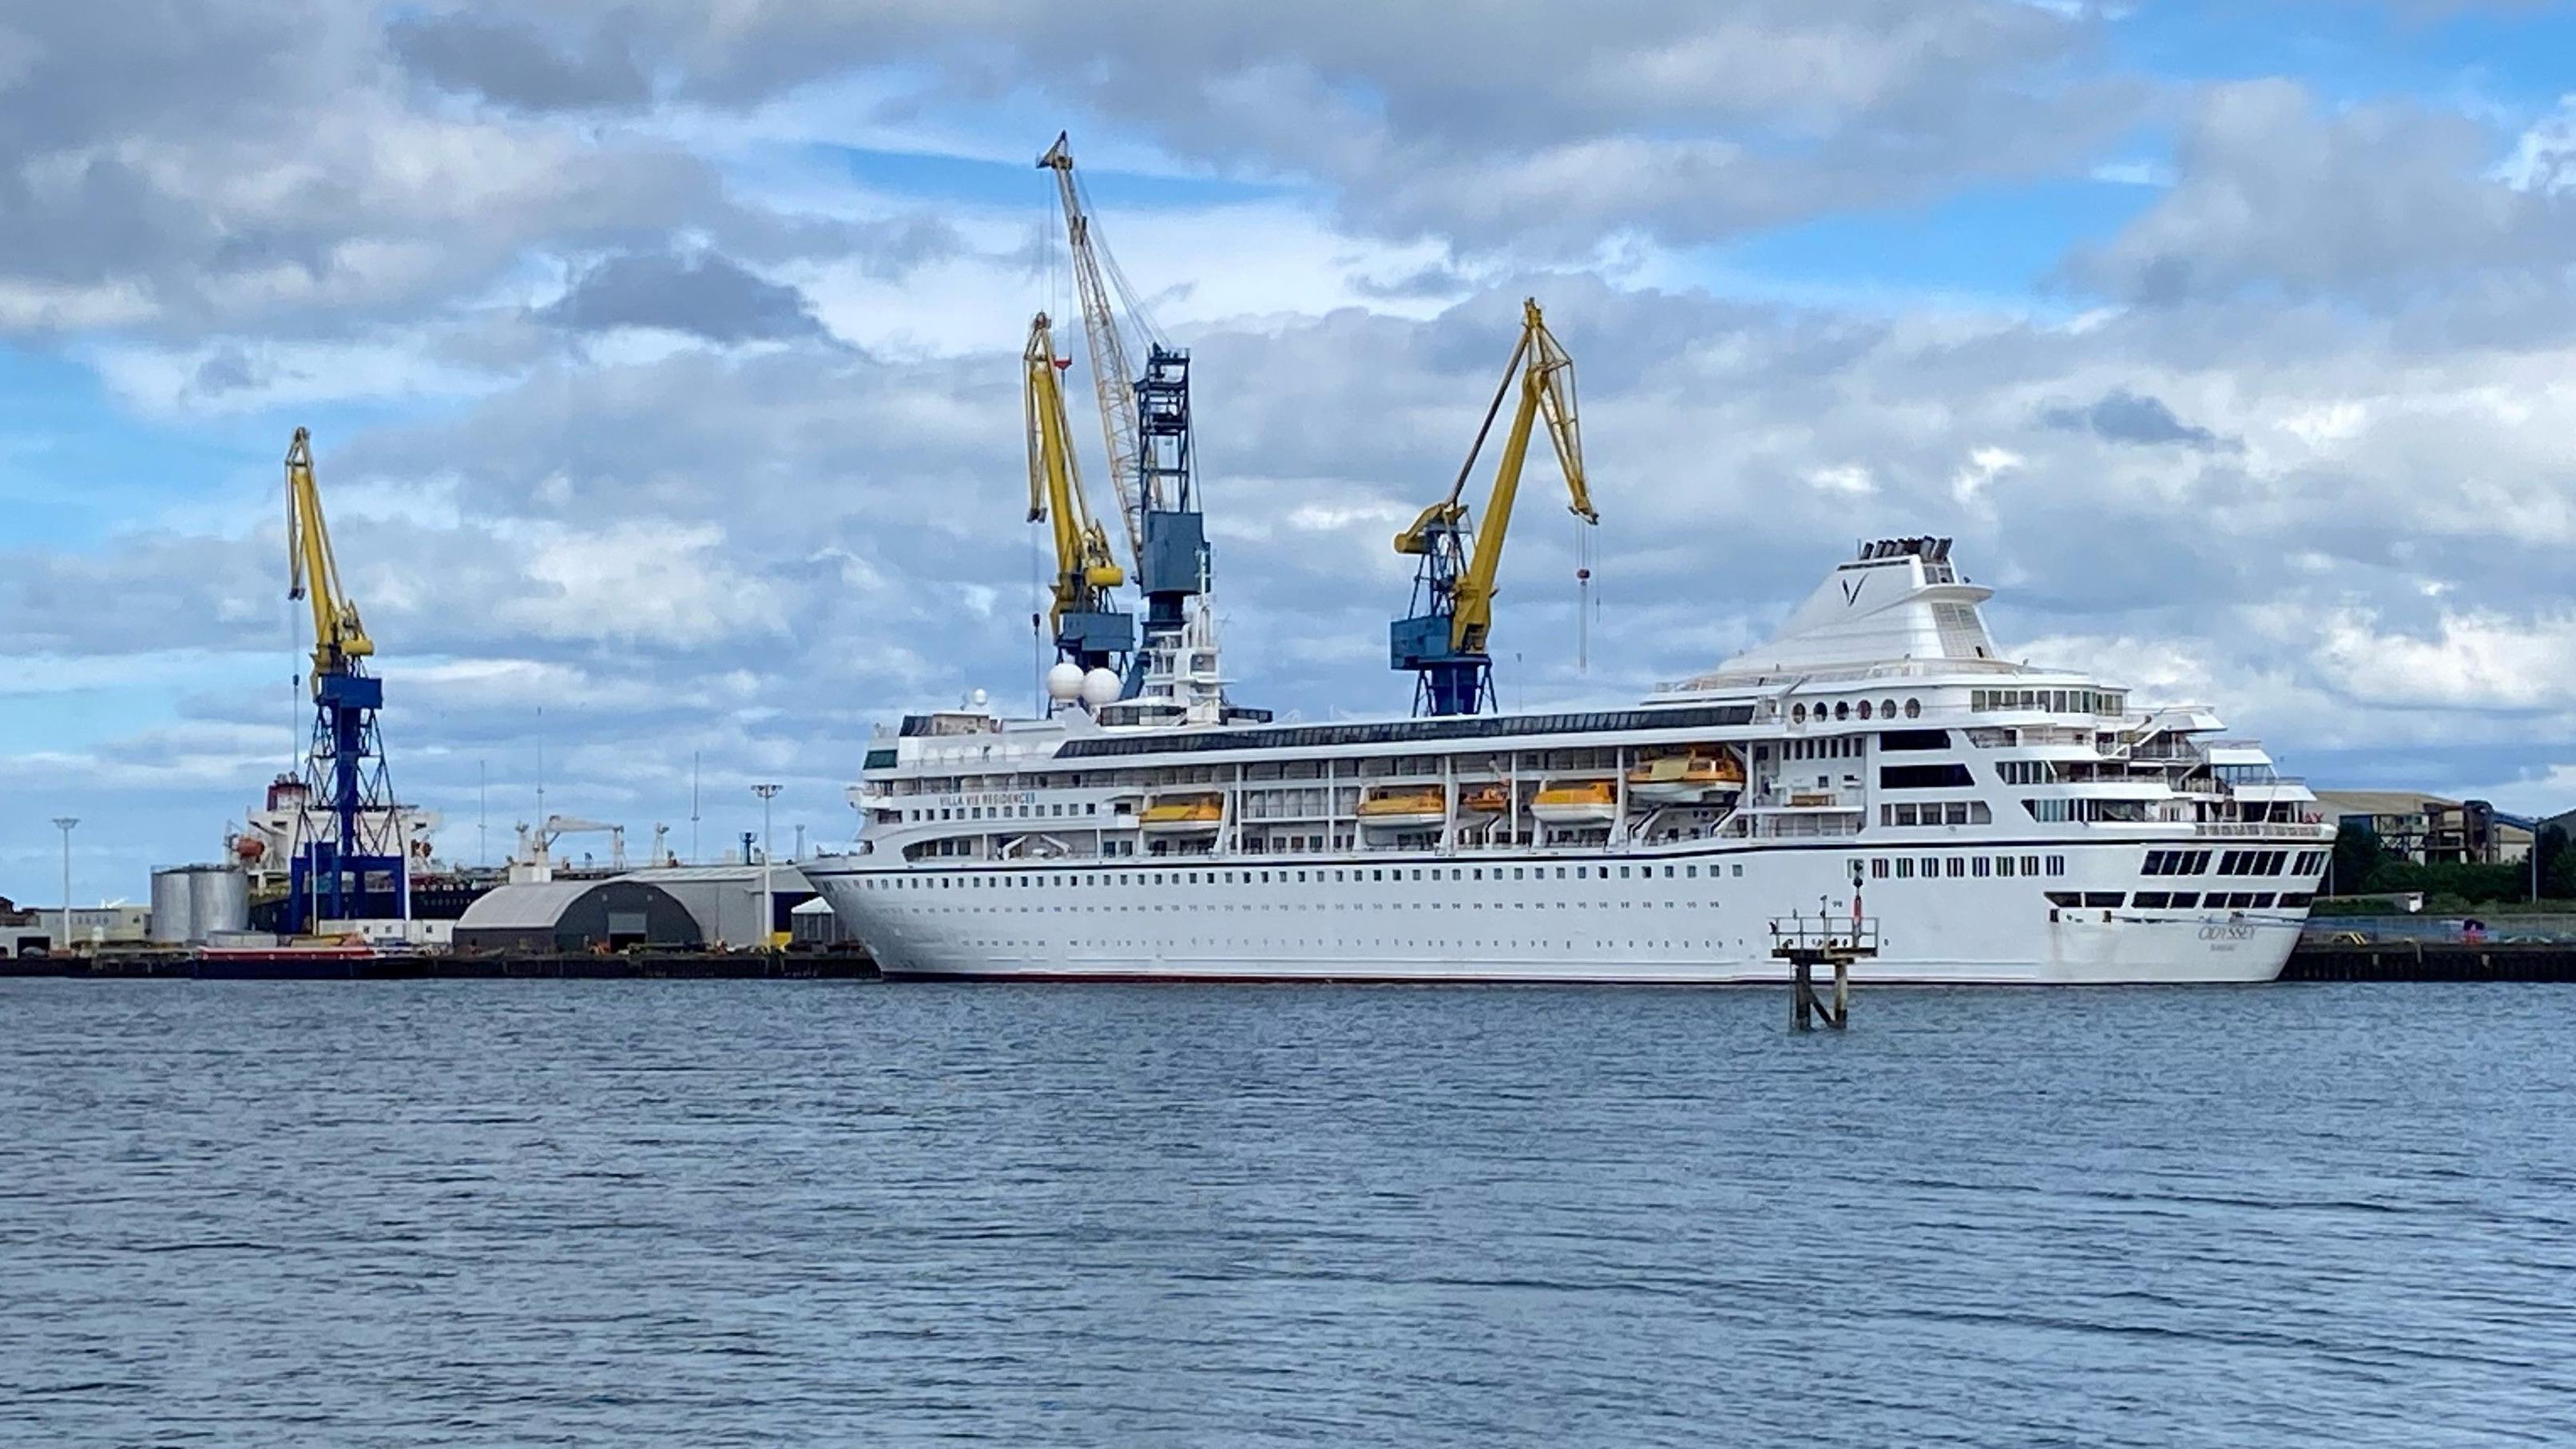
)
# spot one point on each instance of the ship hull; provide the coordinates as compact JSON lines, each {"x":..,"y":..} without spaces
{"x":1539,"y":919}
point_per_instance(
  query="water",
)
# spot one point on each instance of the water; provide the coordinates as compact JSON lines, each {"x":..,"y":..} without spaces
{"x":708,"y":1213}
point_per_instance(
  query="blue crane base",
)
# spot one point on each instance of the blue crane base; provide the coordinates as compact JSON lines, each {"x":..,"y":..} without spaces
{"x":1448,"y":682}
{"x":324,"y":885}
{"x":336,"y":877}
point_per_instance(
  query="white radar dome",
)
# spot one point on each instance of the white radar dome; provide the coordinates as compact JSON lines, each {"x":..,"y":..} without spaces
{"x":1100,"y":687}
{"x":978,"y":699}
{"x":1064,"y":682}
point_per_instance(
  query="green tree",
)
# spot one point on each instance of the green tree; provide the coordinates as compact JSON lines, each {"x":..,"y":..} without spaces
{"x":2557,"y":863}
{"x":2357,"y":853}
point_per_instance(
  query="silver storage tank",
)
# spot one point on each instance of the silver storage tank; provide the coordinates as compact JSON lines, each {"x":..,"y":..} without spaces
{"x":218,"y":900}
{"x":174,"y":921}
{"x":189,"y":902}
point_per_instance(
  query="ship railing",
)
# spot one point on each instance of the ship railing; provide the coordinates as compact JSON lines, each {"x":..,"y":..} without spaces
{"x":1825,"y":931}
{"x":2234,"y":829}
{"x":1803,"y":825}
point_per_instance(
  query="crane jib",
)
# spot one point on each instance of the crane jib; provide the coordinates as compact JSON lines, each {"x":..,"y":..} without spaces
{"x":1446,"y":639}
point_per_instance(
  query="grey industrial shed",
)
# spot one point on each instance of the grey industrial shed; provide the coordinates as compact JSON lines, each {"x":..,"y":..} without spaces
{"x":577,"y":915}
{"x":726,"y":899}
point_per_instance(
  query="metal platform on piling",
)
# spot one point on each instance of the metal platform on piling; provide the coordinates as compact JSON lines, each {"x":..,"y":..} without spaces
{"x":1807,"y":942}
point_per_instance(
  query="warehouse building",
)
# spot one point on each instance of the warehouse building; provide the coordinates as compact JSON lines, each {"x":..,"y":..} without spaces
{"x":2429,"y":829}
{"x":728,"y":899}
{"x":680,"y":908}
{"x":547,"y":917}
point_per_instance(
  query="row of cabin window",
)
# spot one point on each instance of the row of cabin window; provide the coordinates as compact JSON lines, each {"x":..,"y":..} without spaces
{"x":2182,"y":900}
{"x":2233,"y":862}
{"x":2027,"y":772}
{"x":2057,"y":701}
{"x":1837,"y":747}
{"x":1961,"y":867}
{"x":1937,"y":812}
{"x":1845,"y":709}
{"x":1003,"y":812}
{"x":1264,"y":877}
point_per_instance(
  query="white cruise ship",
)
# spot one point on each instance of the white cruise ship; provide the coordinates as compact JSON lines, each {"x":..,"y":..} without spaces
{"x":2004,"y":824}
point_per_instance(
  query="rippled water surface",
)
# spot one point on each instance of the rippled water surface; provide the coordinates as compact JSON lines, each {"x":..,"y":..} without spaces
{"x":700,"y":1213}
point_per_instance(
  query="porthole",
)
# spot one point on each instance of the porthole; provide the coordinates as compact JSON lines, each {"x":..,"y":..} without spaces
{"x":1842,"y":710}
{"x":1798,"y":714}
{"x":1914,"y":709}
{"x":1887,"y":709}
{"x":1864,"y":709}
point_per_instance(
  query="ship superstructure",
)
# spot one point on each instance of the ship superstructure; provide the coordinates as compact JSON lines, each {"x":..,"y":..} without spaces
{"x":2006,"y":823}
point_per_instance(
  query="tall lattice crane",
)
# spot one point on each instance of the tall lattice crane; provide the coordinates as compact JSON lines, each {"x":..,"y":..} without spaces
{"x":1145,"y":419}
{"x":1089,"y":632}
{"x":354,"y":867}
{"x":1445,"y":639}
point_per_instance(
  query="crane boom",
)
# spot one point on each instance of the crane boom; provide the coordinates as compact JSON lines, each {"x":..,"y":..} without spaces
{"x":1112,"y":376}
{"x":1087,"y":632}
{"x":1446,"y":642}
{"x":313,"y":573}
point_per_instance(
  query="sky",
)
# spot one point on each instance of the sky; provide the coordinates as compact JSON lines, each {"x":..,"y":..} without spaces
{"x":662,"y":366}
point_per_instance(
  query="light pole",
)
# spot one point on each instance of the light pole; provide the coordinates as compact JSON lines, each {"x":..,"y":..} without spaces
{"x":64,"y":823}
{"x":768,"y":902}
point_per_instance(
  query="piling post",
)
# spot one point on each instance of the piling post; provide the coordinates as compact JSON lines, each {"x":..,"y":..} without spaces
{"x":1806,"y":944}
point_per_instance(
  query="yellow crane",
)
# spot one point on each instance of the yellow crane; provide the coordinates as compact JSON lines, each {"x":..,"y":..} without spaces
{"x":1444,"y":641}
{"x":1088,"y":633}
{"x":355,"y":867}
{"x":313,"y":573}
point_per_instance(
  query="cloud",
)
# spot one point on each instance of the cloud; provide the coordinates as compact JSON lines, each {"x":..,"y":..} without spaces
{"x":1672,"y":119}
{"x":515,"y":64}
{"x":2378,"y":203}
{"x":2121,"y":416}
{"x":705,"y":295}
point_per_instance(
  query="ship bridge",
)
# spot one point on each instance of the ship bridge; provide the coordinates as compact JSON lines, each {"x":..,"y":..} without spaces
{"x":1900,"y":600}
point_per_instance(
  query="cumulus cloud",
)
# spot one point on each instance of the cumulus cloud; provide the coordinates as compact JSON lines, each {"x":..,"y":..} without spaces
{"x":2378,"y":202}
{"x":706,"y":295}
{"x":1452,"y":120}
{"x":2121,"y":416}
{"x":515,"y":64}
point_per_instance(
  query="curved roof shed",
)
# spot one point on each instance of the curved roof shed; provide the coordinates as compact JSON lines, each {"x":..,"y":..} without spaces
{"x":577,"y":915}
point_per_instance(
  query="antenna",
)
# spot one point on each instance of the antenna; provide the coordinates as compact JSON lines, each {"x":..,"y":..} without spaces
{"x":482,"y":800}
{"x":693,"y":807}
{"x":541,"y":762}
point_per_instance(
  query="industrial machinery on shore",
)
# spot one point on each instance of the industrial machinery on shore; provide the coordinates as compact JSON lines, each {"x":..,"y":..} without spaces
{"x":351,"y":860}
{"x":1172,"y":678}
{"x":1446,"y":639}
{"x":1091,"y":635}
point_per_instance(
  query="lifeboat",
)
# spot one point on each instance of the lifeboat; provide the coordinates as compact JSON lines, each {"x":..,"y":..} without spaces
{"x":1183,"y":813}
{"x":1404,"y":808}
{"x":1576,"y":802}
{"x":1487,"y":800}
{"x":1680,"y":779}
